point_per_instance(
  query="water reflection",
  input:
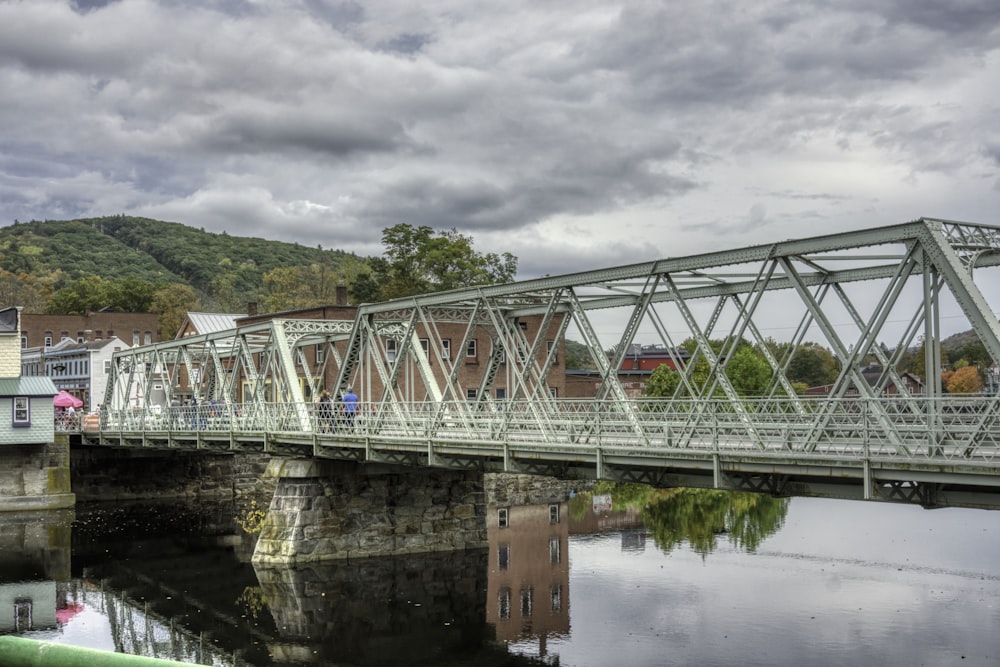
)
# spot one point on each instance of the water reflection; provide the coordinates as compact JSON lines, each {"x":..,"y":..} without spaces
{"x":697,"y":577}
{"x":35,"y":571}
{"x":529,"y":578}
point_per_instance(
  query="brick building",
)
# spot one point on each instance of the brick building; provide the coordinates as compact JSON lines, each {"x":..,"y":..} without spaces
{"x":474,"y":357}
{"x":47,"y":330}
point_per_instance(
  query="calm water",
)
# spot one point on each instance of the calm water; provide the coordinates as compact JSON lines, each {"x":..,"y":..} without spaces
{"x":663,"y":579}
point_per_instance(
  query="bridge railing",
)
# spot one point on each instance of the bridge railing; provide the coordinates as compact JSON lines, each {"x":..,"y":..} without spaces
{"x":966,"y":428}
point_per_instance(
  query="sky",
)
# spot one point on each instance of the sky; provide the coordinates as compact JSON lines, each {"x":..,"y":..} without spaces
{"x":575,"y":136}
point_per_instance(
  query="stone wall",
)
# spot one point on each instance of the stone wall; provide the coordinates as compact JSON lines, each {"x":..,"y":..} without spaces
{"x":105,"y":474}
{"x":324,"y":510}
{"x":514,"y":489}
{"x":35,"y":477}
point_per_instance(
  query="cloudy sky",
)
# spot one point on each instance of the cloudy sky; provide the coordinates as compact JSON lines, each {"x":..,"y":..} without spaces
{"x":575,"y":135}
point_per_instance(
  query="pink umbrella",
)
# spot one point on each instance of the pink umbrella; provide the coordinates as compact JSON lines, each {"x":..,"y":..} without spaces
{"x":65,"y":399}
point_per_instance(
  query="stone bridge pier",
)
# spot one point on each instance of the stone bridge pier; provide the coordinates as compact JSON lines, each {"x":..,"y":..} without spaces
{"x":327,"y":510}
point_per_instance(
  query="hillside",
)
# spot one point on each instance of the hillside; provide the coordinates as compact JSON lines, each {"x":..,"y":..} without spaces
{"x":116,"y":247}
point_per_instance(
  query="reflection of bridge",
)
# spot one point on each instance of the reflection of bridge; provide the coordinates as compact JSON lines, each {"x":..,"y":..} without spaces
{"x":869,"y":296}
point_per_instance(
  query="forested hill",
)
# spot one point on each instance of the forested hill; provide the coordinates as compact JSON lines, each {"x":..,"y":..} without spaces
{"x":58,"y":252}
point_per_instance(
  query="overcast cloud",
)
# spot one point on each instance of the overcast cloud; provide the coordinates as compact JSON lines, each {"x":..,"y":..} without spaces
{"x":574,"y":135}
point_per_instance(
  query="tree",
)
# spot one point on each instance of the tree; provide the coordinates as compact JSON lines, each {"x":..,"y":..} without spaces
{"x":172,"y":303}
{"x":300,"y":287}
{"x":418,"y":260}
{"x":748,"y":372}
{"x":662,"y":382}
{"x":813,"y":365}
{"x":965,"y":380}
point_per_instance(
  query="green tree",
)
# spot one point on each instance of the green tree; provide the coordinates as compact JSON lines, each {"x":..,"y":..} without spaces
{"x":748,"y":372}
{"x":418,"y":260}
{"x":300,"y":287}
{"x":662,"y":382}
{"x":172,"y":303}
{"x":813,"y":365}
{"x":80,"y":297}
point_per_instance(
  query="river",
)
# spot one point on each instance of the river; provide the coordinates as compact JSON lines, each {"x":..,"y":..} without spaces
{"x":626,"y":576}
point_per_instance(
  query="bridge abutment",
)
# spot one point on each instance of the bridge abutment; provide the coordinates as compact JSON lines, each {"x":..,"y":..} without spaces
{"x":328,"y":510}
{"x":35,"y":476}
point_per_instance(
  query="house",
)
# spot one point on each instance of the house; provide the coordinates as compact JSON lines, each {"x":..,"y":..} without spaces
{"x":638,"y":364}
{"x":30,"y":414}
{"x":872,"y":374}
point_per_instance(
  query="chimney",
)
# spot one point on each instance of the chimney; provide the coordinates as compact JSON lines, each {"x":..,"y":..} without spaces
{"x":341,"y":295}
{"x":252,"y":309}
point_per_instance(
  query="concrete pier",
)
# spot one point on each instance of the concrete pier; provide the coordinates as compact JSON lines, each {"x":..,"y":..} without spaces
{"x":327,"y":510}
{"x":35,"y":476}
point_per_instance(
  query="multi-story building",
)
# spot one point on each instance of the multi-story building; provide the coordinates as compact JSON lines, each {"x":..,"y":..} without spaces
{"x":82,"y":369}
{"x":47,"y":330}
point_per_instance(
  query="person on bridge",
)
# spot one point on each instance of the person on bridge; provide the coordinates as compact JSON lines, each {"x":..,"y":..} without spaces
{"x":350,"y":401}
{"x":325,"y":412}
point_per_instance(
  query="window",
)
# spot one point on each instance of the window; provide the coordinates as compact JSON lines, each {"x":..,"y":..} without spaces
{"x":147,"y":338}
{"x":502,"y":517}
{"x":556,"y":595}
{"x":22,"y":411}
{"x":526,"y":602}
{"x":48,"y":339}
{"x":549,"y":346}
{"x":554,"y":550}
{"x":471,"y":394}
{"x":63,"y":335}
{"x":80,"y":337}
{"x":319,"y":354}
{"x":390,"y":350}
{"x":553,"y":392}
{"x":107,"y":367}
{"x":503,"y":603}
{"x":471,"y":350}
{"x":446,"y":348}
{"x":503,"y":556}
{"x":501,"y":393}
{"x":111,"y":333}
{"x":24,"y":342}
{"x":425,"y":345}
{"x":523,"y":326}
{"x":135,"y":337}
{"x":553,"y":513}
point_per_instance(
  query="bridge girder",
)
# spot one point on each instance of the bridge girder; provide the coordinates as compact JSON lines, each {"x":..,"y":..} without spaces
{"x":888,"y":285}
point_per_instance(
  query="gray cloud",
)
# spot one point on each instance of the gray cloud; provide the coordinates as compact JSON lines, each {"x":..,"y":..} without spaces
{"x":574,"y":137}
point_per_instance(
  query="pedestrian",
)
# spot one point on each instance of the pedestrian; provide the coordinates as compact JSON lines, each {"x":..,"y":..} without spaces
{"x":325,"y":412}
{"x":350,"y":401}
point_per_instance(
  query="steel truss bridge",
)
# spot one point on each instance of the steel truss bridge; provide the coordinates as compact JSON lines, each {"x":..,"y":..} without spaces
{"x":868,"y":296}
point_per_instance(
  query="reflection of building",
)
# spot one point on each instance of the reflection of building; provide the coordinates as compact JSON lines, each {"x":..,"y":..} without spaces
{"x":528,"y":591}
{"x":34,"y":569}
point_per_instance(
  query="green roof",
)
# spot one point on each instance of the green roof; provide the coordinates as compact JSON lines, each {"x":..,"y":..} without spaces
{"x":27,"y":386}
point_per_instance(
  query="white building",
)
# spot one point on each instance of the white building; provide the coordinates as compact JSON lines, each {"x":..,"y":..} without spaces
{"x":81,"y":369}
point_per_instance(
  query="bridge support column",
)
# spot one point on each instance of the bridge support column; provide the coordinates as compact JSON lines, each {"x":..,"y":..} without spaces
{"x":326,"y":510}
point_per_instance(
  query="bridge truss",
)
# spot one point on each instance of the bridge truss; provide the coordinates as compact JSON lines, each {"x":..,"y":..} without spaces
{"x":869,"y":296}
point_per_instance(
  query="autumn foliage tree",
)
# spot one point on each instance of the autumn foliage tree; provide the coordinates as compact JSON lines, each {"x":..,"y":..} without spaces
{"x":965,"y":380}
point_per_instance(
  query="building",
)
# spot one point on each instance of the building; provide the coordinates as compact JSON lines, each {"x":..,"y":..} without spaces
{"x":638,"y":364}
{"x":47,"y":330}
{"x":81,"y":369}
{"x":872,"y":375}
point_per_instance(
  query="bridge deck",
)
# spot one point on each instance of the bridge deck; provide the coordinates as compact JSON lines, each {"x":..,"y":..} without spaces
{"x":894,"y":443}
